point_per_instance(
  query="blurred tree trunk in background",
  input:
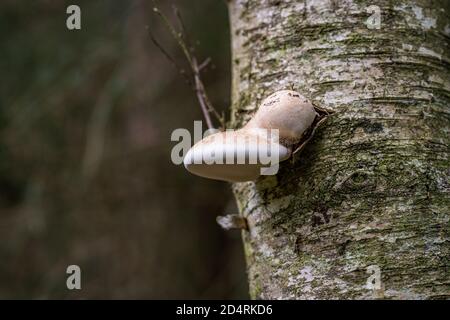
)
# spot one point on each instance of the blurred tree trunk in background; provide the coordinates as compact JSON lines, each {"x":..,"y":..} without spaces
{"x":371,"y":191}
{"x":85,"y":173}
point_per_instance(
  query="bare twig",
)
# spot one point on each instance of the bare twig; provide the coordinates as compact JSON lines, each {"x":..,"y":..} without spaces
{"x":183,"y":28}
{"x":201,"y":95}
{"x":176,"y":35}
{"x":169,"y":57}
{"x":204,"y":64}
{"x":203,"y":98}
{"x":183,"y":42}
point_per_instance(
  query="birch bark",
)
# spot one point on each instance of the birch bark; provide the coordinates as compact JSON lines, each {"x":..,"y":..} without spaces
{"x":370,"y":192}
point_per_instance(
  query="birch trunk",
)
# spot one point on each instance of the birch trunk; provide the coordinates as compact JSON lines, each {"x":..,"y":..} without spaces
{"x":363,"y":211}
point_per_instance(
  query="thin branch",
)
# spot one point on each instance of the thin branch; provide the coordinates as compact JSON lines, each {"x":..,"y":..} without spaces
{"x":201,"y":96}
{"x":183,"y":28}
{"x":176,"y":35}
{"x":182,"y":40}
{"x":204,"y":64}
{"x":200,"y":88}
{"x":169,"y":57}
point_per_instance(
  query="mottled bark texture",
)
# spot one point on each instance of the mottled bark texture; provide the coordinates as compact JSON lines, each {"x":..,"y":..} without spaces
{"x":372,"y":187}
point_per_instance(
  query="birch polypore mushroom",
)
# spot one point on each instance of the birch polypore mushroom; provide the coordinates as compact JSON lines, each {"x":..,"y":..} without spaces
{"x":235,"y":155}
{"x":257,"y":148}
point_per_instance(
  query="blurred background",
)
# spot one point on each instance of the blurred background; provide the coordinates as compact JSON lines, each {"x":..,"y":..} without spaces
{"x":85,"y":171}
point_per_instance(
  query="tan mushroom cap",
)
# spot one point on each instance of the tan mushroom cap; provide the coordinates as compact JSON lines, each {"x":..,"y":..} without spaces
{"x":285,"y":110}
{"x":252,"y":147}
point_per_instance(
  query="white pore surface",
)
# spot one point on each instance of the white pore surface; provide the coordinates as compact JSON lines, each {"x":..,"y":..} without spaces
{"x":234,"y":156}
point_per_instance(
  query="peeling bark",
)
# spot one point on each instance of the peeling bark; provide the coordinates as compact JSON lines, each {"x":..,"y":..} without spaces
{"x":372,"y":187}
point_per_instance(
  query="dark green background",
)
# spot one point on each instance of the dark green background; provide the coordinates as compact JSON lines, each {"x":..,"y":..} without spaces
{"x":85,"y":170}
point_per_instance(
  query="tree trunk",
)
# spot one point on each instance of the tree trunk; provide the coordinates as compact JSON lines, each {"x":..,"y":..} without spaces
{"x":363,"y":211}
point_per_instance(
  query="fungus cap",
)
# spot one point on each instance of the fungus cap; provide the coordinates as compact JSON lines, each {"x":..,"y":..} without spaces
{"x":285,"y":110}
{"x":235,"y":156}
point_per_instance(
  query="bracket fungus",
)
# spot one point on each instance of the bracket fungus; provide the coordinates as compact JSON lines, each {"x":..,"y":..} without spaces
{"x":268,"y":138}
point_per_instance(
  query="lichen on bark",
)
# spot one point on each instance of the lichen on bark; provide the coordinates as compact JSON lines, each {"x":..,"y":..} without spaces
{"x":372,"y":187}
